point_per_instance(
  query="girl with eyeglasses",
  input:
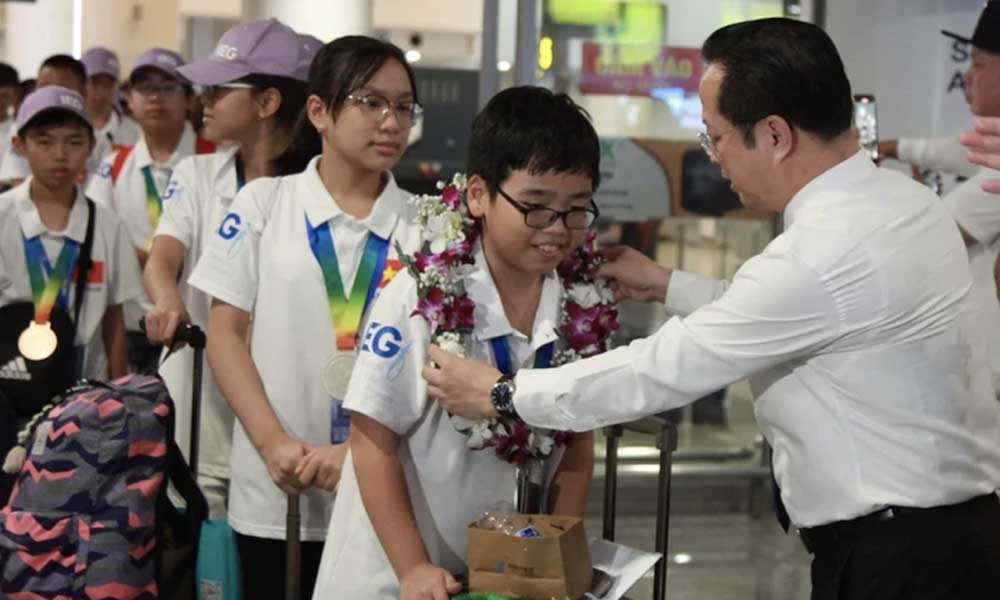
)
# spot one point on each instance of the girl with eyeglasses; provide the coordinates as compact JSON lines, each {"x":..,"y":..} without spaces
{"x":304,"y":256}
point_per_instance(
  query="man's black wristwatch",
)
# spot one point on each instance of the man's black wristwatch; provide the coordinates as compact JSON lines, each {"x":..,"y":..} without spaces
{"x":502,"y":396}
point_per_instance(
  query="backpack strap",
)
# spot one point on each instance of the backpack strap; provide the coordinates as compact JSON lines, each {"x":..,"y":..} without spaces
{"x":203,"y":146}
{"x":84,"y":263}
{"x":120,"y":158}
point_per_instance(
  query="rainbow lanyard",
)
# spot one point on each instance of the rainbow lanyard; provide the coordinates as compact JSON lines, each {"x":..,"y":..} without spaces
{"x":347,"y":311}
{"x":154,"y":204}
{"x":49,"y":286}
{"x":501,"y":353}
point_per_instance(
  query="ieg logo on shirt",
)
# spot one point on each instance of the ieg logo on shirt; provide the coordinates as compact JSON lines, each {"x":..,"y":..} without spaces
{"x":172,"y":190}
{"x":230,"y":226}
{"x":382,"y":340}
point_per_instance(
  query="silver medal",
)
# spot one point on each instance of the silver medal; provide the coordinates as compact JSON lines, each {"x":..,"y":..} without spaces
{"x":337,"y":375}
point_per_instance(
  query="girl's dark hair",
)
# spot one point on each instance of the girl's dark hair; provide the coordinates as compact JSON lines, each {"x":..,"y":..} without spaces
{"x":293,"y":99}
{"x":339,"y":68}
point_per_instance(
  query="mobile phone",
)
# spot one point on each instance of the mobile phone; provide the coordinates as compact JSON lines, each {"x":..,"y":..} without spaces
{"x":866,"y":120}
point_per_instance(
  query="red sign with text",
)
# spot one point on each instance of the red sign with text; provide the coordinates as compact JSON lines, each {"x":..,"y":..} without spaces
{"x":637,"y":70}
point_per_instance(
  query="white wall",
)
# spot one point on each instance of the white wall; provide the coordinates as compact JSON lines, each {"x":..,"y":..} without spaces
{"x":895,"y":49}
{"x":35,"y":31}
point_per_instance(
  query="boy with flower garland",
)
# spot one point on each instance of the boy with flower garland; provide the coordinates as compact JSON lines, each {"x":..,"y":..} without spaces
{"x":413,"y":483}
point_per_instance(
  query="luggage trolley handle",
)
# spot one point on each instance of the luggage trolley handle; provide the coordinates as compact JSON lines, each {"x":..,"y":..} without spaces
{"x":293,"y":549}
{"x":193,"y":336}
{"x":666,"y":442}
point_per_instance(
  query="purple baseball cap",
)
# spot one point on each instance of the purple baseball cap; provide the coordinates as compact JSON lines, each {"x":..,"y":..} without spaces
{"x":310,"y":46}
{"x":166,"y":61}
{"x":50,"y":98}
{"x":101,"y":61}
{"x":264,"y":47}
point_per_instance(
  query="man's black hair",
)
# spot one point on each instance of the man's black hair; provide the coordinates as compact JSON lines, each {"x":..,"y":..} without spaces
{"x":8,"y":76}
{"x":781,"y":67}
{"x":68,"y":63}
{"x":531,"y":128}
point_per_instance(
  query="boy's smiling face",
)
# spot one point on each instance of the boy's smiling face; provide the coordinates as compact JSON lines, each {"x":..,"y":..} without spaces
{"x":524,"y":248}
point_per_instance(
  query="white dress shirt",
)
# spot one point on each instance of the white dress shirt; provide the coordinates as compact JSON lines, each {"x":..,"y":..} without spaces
{"x":863,"y":346}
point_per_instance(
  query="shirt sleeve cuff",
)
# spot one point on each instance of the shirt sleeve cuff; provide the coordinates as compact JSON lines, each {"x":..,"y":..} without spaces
{"x":167,"y":228}
{"x":535,"y":399}
{"x":910,"y":150}
{"x":217,"y":291}
{"x":687,"y":292}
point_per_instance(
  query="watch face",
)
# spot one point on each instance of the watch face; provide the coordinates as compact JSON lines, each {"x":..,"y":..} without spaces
{"x":501,"y":397}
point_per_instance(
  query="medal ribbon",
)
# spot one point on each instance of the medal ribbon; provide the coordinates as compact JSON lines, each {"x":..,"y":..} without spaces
{"x":154,"y":204}
{"x":49,"y":286}
{"x":347,"y":311}
{"x":501,"y":353}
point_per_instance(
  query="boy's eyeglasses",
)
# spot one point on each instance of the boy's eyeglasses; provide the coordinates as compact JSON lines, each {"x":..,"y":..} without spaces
{"x":210,"y":92}
{"x":378,"y":107}
{"x":164,"y":90}
{"x":541,"y":217}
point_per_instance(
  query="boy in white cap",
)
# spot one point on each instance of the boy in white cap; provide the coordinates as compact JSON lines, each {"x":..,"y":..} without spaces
{"x":103,"y":72}
{"x":133,"y":180}
{"x":43,"y":222}
{"x":66,"y":71}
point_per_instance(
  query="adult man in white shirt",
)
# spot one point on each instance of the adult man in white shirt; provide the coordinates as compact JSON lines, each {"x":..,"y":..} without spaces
{"x":977,"y":214}
{"x":855,"y":326}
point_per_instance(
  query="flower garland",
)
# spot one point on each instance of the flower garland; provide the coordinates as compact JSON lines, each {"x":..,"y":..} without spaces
{"x":588,"y":314}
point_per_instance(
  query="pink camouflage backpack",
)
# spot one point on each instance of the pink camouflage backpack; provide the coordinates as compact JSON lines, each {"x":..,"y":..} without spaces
{"x":89,"y":515}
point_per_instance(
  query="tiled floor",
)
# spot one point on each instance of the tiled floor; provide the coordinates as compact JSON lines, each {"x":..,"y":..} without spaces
{"x":717,"y":550}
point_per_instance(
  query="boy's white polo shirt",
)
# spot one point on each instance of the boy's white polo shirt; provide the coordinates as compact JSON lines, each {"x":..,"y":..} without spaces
{"x":114,"y":277}
{"x":120,"y":130}
{"x":259,"y":261}
{"x":202,"y":191}
{"x":450,"y":486}
{"x":126,"y":197}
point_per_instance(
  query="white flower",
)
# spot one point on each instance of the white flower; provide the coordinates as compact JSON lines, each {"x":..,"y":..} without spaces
{"x":605,"y":291}
{"x":545,"y":445}
{"x":584,"y":294}
{"x":461,"y":423}
{"x":450,"y":341}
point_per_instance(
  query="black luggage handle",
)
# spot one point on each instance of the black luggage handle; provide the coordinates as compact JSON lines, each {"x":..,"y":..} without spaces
{"x":193,"y":336}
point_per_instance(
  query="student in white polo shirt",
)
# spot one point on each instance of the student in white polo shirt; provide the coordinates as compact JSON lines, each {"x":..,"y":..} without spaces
{"x":292,"y":250}
{"x":47,"y":215}
{"x":103,"y":72}
{"x":411,"y":484}
{"x":254,"y":90}
{"x":133,"y":180}
{"x":68,"y":72}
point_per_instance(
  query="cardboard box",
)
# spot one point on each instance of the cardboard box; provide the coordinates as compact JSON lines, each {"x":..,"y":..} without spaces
{"x":555,"y":565}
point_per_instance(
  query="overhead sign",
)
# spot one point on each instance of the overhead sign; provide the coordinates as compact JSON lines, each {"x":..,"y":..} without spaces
{"x":638,"y":70}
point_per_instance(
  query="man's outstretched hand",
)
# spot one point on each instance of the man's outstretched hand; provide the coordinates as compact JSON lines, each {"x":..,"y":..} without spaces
{"x":633,"y":275}
{"x":461,"y":386}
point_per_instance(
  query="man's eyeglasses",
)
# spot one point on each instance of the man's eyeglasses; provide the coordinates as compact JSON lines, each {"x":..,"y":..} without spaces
{"x":164,"y":90}
{"x":541,"y":217}
{"x":377,"y":106}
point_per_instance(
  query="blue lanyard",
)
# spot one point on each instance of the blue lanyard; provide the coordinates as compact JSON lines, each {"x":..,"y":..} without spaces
{"x":501,"y":353}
